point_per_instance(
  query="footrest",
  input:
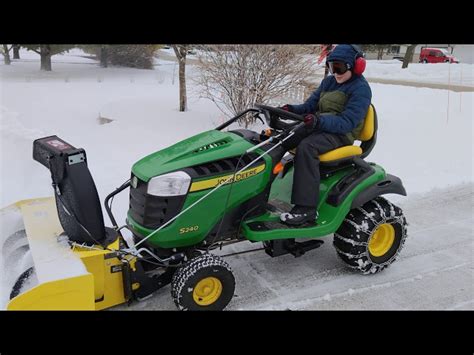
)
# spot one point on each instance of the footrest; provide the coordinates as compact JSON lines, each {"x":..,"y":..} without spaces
{"x":289,"y":246}
{"x":271,"y":225}
{"x":298,"y":249}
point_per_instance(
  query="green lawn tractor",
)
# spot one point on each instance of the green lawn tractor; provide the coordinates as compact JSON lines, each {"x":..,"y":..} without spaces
{"x":216,"y":188}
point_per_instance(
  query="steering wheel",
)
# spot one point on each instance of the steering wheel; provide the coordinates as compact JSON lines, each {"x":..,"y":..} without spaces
{"x":274,"y":117}
{"x":282,"y":113}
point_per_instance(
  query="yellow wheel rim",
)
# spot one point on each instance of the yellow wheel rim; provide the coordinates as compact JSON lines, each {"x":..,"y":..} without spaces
{"x":382,"y":240}
{"x":207,"y":291}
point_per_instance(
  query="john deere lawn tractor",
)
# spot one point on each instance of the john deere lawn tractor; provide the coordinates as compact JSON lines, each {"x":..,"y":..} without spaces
{"x":213,"y":189}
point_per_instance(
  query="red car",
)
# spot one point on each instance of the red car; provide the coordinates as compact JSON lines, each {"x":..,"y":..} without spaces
{"x":436,"y":55}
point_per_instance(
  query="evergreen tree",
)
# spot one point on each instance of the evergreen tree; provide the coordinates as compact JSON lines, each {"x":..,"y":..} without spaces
{"x":46,"y":51}
{"x":100,"y":51}
{"x":132,"y":55}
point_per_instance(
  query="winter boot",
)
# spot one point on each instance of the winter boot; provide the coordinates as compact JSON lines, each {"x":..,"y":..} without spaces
{"x":299,"y":215}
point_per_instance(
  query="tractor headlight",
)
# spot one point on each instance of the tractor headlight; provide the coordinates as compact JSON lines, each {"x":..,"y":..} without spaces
{"x":172,"y":184}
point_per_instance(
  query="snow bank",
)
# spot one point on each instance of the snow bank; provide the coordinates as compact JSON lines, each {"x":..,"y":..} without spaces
{"x":424,"y":135}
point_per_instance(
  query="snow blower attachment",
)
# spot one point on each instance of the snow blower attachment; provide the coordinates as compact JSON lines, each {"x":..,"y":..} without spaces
{"x":210,"y":190}
{"x":76,"y":263}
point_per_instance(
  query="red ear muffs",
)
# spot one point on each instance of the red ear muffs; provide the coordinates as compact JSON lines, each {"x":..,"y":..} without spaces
{"x":359,"y":60}
{"x":359,"y":66}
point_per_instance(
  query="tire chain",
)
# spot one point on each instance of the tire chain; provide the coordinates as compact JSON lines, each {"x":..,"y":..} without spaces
{"x":363,"y":260}
{"x":186,"y":271}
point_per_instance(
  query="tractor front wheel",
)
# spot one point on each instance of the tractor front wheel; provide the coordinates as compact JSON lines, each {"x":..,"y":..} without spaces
{"x":371,"y":236}
{"x":203,"y":283}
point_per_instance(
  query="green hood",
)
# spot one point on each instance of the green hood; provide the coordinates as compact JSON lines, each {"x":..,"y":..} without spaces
{"x":201,"y":148}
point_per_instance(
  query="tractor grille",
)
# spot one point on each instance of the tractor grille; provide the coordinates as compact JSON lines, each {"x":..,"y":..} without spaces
{"x":211,"y":146}
{"x":222,"y":166}
{"x":152,"y":211}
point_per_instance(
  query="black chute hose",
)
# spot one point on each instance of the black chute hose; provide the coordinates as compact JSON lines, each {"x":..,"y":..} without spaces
{"x":65,"y":207}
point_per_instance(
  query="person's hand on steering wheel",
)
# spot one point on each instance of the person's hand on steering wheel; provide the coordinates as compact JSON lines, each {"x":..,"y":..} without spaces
{"x":285,"y":107}
{"x":277,"y":116}
{"x":311,"y":121}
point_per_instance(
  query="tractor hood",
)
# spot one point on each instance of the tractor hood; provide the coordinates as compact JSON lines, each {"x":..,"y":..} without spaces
{"x":204,"y":147}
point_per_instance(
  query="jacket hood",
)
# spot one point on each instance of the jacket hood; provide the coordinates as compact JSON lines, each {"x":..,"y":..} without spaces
{"x":344,"y":53}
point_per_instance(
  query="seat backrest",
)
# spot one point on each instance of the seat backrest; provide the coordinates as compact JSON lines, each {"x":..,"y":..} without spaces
{"x":369,"y":127}
{"x":368,"y":135}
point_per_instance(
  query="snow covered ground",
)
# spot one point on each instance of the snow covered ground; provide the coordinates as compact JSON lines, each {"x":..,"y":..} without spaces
{"x":442,"y":73}
{"x":425,"y":137}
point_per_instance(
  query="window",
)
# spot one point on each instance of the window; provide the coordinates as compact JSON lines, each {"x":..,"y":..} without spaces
{"x":394,"y":49}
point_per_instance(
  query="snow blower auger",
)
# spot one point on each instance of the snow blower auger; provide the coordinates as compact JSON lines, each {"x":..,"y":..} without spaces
{"x":213,"y":189}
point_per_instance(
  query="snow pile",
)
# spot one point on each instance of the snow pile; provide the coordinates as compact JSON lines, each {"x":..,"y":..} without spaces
{"x":15,"y":256}
{"x":424,"y":135}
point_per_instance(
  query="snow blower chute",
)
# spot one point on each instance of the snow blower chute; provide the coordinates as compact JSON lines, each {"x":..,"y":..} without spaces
{"x":210,"y":190}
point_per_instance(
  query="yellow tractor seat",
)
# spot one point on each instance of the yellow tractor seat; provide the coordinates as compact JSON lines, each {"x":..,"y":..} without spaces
{"x":367,"y":136}
{"x":341,"y":153}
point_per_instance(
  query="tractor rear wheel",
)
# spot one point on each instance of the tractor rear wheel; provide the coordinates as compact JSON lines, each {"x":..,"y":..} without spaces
{"x":371,"y":236}
{"x":205,"y":282}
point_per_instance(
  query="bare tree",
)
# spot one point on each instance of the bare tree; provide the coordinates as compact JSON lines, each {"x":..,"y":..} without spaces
{"x":6,"y":54}
{"x":16,"y":51}
{"x":409,"y":55}
{"x":238,"y":76}
{"x":104,"y":55}
{"x":381,"y":49}
{"x":181,"y":50}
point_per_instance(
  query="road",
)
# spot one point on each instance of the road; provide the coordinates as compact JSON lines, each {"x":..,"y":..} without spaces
{"x":434,"y":270}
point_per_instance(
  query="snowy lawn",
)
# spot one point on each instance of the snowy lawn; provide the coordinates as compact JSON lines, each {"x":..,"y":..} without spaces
{"x":441,"y":73}
{"x":425,"y":135}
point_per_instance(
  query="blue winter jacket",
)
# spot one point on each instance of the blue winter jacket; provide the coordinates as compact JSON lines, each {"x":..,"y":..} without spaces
{"x":342,"y":107}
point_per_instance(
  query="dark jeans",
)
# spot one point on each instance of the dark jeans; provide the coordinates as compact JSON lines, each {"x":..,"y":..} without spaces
{"x":306,"y":178}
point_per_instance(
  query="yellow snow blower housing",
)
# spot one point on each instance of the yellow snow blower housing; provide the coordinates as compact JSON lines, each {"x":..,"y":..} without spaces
{"x":77,"y":278}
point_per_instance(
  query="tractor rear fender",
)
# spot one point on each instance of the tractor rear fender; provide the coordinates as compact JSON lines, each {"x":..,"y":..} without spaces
{"x":390,"y":185}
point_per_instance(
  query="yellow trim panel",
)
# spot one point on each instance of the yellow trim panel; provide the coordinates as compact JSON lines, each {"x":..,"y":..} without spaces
{"x":210,"y":183}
